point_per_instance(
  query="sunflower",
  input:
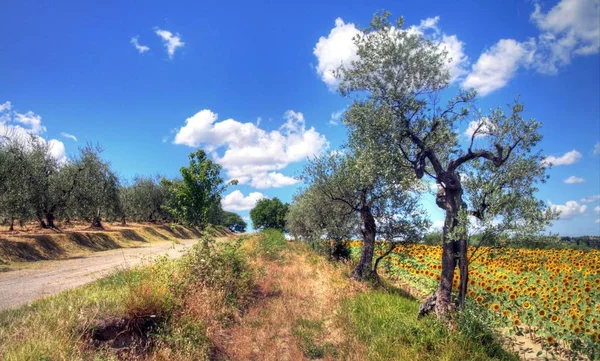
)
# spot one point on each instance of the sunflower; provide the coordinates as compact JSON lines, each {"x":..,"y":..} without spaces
{"x":526,"y":305}
{"x":554,"y":318}
{"x":512,"y":296}
{"x":496,"y":307}
{"x":516,"y":322}
{"x":551,"y":340}
{"x":542,"y":312}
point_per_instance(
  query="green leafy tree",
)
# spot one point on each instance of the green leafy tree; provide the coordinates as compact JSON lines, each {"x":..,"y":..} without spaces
{"x":234,"y":222}
{"x":96,"y":192}
{"x":385,"y":204}
{"x":269,"y":213}
{"x":490,"y":180}
{"x":199,"y":189}
{"x":322,"y":223}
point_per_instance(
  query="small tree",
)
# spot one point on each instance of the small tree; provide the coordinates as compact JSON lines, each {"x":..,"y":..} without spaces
{"x":315,"y":219}
{"x":352,"y":181}
{"x":199,"y":189}
{"x":398,"y":79}
{"x":269,"y":213}
{"x":234,"y":222}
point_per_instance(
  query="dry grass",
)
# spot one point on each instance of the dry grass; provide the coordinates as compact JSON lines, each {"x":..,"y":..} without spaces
{"x":294,"y":315}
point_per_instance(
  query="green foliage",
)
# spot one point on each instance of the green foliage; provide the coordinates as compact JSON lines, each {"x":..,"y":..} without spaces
{"x":271,"y":242}
{"x":221,"y":267}
{"x":269,"y":213}
{"x":199,"y":189}
{"x":234,"y":222}
{"x":144,"y":200}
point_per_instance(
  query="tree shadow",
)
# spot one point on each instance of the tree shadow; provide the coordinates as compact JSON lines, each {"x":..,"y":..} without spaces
{"x":20,"y":251}
{"x":155,"y":233}
{"x":132,"y":235}
{"x":94,"y":241}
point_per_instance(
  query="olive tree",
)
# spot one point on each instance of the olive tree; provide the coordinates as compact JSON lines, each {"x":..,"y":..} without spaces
{"x":353,"y":181}
{"x":317,"y":220}
{"x":96,"y":191}
{"x":397,"y":82}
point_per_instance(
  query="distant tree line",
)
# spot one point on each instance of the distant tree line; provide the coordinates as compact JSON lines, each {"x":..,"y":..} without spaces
{"x":36,"y":186}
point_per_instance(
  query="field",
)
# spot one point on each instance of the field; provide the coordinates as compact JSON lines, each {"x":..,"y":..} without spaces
{"x":551,"y":295}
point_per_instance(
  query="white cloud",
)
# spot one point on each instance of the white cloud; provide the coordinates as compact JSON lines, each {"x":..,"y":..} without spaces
{"x":566,"y":159}
{"x":24,"y":125}
{"x":335,"y":50}
{"x":336,"y":116}
{"x":236,"y":201}
{"x":570,"y":28}
{"x":171,"y":42}
{"x":596,"y":150}
{"x":338,"y":49}
{"x":482,"y":127}
{"x":251,"y":154}
{"x":437,"y":225}
{"x":67,"y":135}
{"x":597,"y":220}
{"x":140,"y":48}
{"x":569,"y":209}
{"x":497,"y":65}
{"x":597,"y":209}
{"x":272,"y":180}
{"x":591,"y":199}
{"x":574,"y":180}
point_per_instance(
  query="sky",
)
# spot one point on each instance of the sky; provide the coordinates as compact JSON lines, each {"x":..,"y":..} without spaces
{"x":251,"y":83}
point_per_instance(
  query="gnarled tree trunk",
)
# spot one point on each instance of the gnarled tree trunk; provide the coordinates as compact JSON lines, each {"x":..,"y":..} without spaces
{"x":449,"y":199}
{"x":363,"y":270}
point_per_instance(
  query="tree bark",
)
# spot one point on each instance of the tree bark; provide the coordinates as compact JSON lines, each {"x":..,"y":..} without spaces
{"x":464,"y":272}
{"x":450,"y":199}
{"x":363,"y":270}
{"x":96,"y":223}
{"x":12,"y":224}
{"x":50,"y":220}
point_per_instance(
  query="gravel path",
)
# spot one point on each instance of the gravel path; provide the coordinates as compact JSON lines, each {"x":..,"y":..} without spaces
{"x":22,"y":286}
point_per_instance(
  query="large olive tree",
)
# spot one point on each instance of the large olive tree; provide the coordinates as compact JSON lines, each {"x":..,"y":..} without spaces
{"x":397,"y":82}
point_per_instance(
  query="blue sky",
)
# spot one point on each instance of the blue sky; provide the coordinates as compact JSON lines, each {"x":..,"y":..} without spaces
{"x":249,"y":82}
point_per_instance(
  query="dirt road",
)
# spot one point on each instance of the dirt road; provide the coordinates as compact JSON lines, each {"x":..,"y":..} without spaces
{"x":22,"y":286}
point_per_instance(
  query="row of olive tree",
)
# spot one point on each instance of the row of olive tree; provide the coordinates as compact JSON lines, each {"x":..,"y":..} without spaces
{"x":35,"y":185}
{"x":400,"y":135}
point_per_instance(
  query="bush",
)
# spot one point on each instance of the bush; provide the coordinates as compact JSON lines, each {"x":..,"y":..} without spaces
{"x":270,"y":243}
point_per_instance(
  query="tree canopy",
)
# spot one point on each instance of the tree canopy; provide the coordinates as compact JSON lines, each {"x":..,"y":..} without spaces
{"x":269,"y":213}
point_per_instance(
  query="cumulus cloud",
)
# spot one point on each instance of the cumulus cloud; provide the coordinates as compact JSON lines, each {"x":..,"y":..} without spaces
{"x":569,"y":29}
{"x":497,"y":65}
{"x":171,"y":42}
{"x":574,"y":180}
{"x":591,"y":199}
{"x":335,"y":50}
{"x":597,"y":220}
{"x":69,"y":136}
{"x":236,"y":201}
{"x":568,"y":210}
{"x":596,"y":150}
{"x":437,"y":225}
{"x":597,"y":209}
{"x":28,"y":124}
{"x":272,"y":180}
{"x":338,"y":49}
{"x":140,"y":48}
{"x":566,"y":159}
{"x":251,"y":154}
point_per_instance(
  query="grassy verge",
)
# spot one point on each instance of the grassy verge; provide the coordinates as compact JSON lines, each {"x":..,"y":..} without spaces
{"x":165,"y":311}
{"x":254,"y":298}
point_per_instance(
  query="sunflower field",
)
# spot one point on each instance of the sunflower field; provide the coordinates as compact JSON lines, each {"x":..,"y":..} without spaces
{"x":553,"y":294}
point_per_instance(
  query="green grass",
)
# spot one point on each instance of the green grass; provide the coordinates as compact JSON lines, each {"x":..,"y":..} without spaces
{"x":386,"y":324}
